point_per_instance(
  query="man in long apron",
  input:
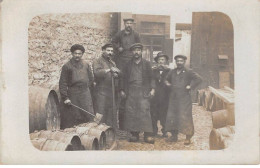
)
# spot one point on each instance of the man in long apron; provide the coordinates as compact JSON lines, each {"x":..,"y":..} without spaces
{"x":104,"y":69}
{"x":74,"y":83}
{"x":179,"y":116}
{"x":137,"y":86}
{"x":122,"y":42}
{"x":159,"y":103}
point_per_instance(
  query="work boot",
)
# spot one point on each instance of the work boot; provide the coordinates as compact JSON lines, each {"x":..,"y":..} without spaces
{"x":187,"y":140}
{"x":164,"y":135}
{"x":134,"y":137}
{"x":173,"y":138}
{"x":149,"y":139}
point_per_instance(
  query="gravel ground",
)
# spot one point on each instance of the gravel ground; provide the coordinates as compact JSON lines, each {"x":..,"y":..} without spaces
{"x":200,"y":140}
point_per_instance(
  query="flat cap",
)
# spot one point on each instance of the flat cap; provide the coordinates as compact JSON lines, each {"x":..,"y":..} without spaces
{"x":160,"y":54}
{"x":180,"y":56}
{"x":127,"y":19}
{"x":136,"y":45}
{"x":107,"y":45}
{"x":77,"y":47}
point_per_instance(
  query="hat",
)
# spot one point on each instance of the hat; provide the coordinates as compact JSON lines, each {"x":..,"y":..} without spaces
{"x":127,"y":19}
{"x":77,"y":47}
{"x":160,"y":54}
{"x":136,"y":45}
{"x":107,"y":45}
{"x":180,"y":56}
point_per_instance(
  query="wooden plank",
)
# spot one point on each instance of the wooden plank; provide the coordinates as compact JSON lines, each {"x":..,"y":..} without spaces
{"x":221,"y":95}
{"x":229,"y":89}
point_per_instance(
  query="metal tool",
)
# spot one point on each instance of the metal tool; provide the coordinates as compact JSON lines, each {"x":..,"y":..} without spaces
{"x":97,"y":118}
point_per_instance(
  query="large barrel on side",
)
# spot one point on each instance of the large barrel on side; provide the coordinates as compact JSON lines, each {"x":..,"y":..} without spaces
{"x":221,"y":138}
{"x":50,"y":145}
{"x":64,"y":137}
{"x":44,"y":112}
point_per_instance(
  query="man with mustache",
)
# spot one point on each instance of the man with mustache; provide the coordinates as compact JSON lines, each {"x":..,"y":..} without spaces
{"x":137,"y":86}
{"x":179,"y":116}
{"x":159,"y":103}
{"x":104,"y":69}
{"x":75,"y":80}
{"x":122,"y":42}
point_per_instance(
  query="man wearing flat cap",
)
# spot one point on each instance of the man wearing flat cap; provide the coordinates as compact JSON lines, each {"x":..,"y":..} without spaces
{"x":179,"y":116}
{"x":122,"y":42}
{"x":159,"y":103}
{"x":137,"y":86}
{"x":104,"y":70}
{"x":75,"y":80}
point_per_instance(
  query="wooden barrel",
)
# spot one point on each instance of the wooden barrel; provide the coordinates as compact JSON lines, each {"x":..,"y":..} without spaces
{"x":50,"y":145}
{"x":109,"y":132}
{"x":64,"y":137}
{"x":89,"y":142}
{"x":208,"y":97}
{"x":92,"y":131}
{"x":221,"y":138}
{"x":219,"y":118}
{"x":200,"y":97}
{"x":44,"y":112}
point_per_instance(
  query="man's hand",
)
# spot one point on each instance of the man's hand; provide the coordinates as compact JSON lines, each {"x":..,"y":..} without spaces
{"x":152,"y":92}
{"x":188,"y":87}
{"x":115,"y":70}
{"x":167,"y":83}
{"x":67,"y":102}
{"x":107,"y":70}
{"x":122,"y":94}
{"x":120,"y":49}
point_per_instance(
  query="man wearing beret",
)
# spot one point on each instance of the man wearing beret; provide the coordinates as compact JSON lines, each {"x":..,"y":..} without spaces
{"x":179,"y":116}
{"x":74,"y":83}
{"x":137,"y":86}
{"x":159,"y":103}
{"x":122,"y":42}
{"x":104,"y":69}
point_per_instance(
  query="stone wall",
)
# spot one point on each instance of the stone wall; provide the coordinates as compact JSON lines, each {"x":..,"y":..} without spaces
{"x":50,"y":37}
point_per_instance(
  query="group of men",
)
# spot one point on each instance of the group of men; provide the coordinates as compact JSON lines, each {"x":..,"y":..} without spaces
{"x":147,"y":93}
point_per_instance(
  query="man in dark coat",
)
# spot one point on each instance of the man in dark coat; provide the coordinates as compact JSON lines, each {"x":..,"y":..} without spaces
{"x":137,"y":86}
{"x":122,"y":42}
{"x":179,"y":116}
{"x":74,"y":83}
{"x":159,"y":103}
{"x":104,"y":69}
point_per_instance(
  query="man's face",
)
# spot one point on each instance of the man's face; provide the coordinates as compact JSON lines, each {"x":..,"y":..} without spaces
{"x":109,"y":51}
{"x":128,"y":25}
{"x":180,"y":62}
{"x":77,"y":55}
{"x":137,"y":53}
{"x":162,"y":60}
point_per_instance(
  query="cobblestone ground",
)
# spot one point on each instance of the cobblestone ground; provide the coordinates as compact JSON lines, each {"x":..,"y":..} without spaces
{"x":200,"y":140}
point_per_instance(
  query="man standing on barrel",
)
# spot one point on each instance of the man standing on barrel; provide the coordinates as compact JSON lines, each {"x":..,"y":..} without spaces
{"x":74,"y":83}
{"x":122,"y":42}
{"x":137,"y":86}
{"x":179,"y":116}
{"x":159,"y":103}
{"x":104,"y":70}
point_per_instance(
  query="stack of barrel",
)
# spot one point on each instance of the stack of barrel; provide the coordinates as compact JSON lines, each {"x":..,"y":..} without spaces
{"x":44,"y":126}
{"x":221,"y":103}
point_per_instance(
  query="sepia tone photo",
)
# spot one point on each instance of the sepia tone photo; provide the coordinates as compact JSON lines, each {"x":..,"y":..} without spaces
{"x":140,"y":82}
{"x":117,"y":81}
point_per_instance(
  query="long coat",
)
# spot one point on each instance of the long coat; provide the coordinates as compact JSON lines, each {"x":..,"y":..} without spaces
{"x":75,"y":80}
{"x":137,"y":115}
{"x":179,"y":115}
{"x":103,"y":89}
{"x":159,"y":103}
